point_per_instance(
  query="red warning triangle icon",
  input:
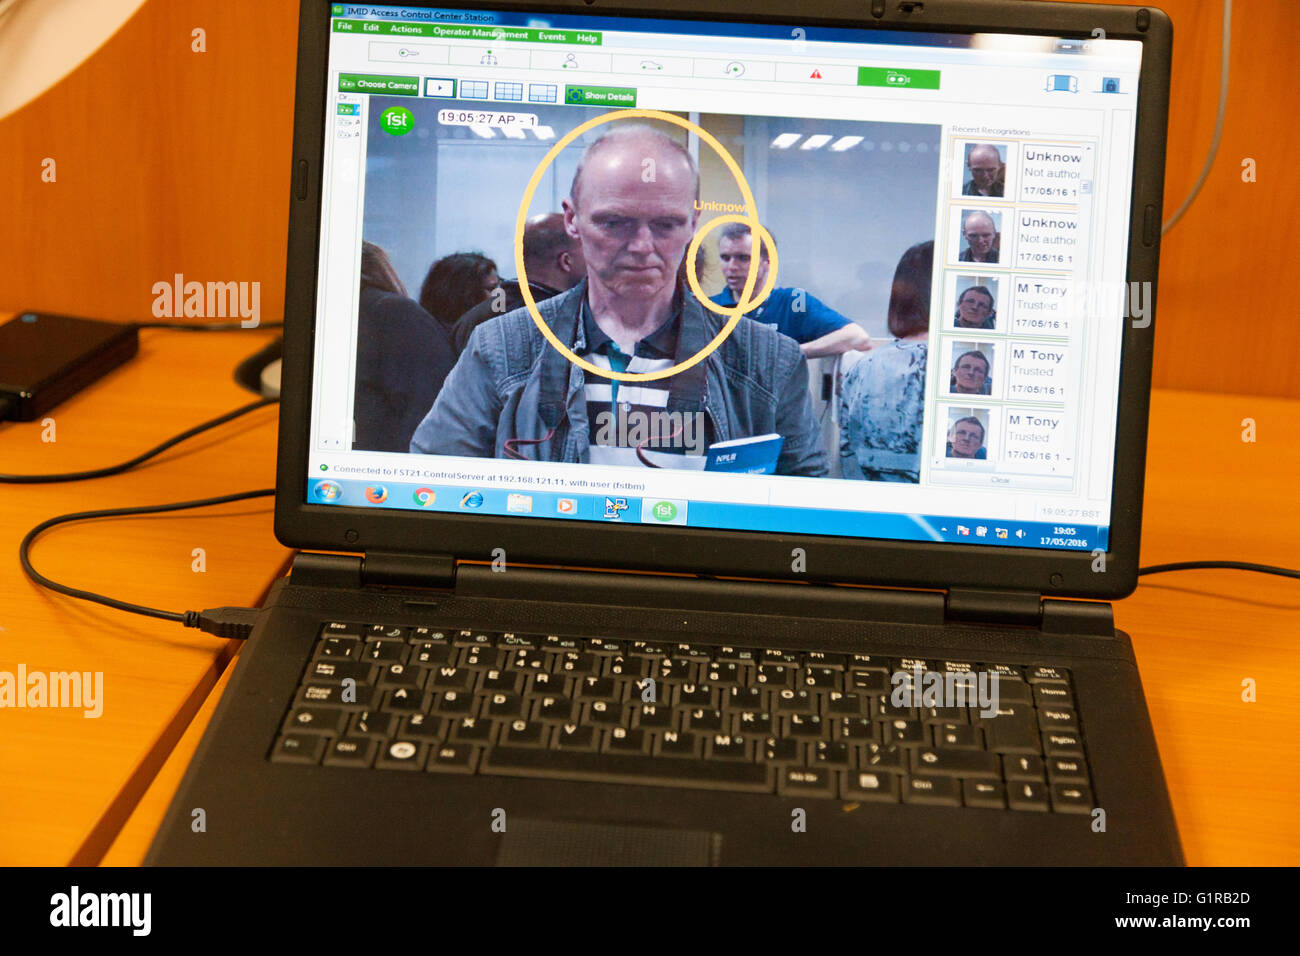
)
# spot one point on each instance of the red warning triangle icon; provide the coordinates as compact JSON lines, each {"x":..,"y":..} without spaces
{"x":815,"y":75}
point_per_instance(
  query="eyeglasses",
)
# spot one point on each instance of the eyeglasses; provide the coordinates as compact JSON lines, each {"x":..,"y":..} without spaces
{"x":963,"y":435}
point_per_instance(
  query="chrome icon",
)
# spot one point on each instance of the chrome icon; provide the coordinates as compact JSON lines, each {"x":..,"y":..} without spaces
{"x":425,"y":497}
{"x":376,"y":494}
{"x":329,"y":490}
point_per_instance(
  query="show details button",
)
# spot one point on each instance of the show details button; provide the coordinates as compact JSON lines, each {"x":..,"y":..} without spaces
{"x":599,"y":96}
{"x":900,"y":79}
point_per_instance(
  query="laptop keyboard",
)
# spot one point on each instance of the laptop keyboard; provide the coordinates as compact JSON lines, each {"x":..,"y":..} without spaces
{"x":795,"y":723}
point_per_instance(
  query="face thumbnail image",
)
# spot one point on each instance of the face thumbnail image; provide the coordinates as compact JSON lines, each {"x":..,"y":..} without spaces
{"x":967,"y":436}
{"x":975,"y":303}
{"x":450,"y":362}
{"x":971,"y":369}
{"x":983,"y":168}
{"x":979,"y":235}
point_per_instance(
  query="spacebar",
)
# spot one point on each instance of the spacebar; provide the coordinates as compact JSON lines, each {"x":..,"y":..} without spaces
{"x":627,"y":768}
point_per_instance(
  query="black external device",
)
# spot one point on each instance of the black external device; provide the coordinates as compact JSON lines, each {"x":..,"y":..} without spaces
{"x":47,"y":358}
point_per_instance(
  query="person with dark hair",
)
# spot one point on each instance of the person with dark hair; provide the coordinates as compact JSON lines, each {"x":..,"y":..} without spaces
{"x":975,"y":309}
{"x":883,"y":399}
{"x":818,"y":328}
{"x":403,"y":356}
{"x":513,"y":395}
{"x":970,"y":374}
{"x":966,"y":439}
{"x":455,"y":284}
{"x":554,"y":262}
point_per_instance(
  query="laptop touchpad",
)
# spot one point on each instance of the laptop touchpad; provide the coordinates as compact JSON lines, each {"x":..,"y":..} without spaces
{"x":562,"y":843}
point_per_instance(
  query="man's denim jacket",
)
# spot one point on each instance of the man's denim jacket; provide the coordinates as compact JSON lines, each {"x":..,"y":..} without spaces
{"x":510,"y":383}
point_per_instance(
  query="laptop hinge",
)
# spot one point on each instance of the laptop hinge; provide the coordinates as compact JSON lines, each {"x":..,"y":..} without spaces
{"x":1027,"y":609}
{"x":374,"y":569}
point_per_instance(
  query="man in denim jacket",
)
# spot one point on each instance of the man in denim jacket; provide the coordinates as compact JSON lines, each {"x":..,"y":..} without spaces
{"x":632,"y":205}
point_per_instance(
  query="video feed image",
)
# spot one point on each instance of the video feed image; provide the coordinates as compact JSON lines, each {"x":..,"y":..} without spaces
{"x":823,"y":377}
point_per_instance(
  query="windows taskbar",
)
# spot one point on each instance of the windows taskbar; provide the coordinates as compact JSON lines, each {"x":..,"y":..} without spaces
{"x":718,"y":515}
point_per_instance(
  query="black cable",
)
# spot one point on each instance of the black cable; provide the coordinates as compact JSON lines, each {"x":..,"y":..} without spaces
{"x":139,"y":459}
{"x":208,"y":326}
{"x":234,"y":622}
{"x":1227,"y":565}
{"x":7,"y":404}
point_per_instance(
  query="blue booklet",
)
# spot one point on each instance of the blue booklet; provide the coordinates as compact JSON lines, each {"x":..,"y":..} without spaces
{"x":749,"y":456}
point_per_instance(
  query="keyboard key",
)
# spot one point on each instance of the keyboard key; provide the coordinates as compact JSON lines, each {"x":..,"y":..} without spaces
{"x":626,"y":665}
{"x":468,"y":637}
{"x":755,"y":723}
{"x":733,"y":655}
{"x":607,"y":714}
{"x":784,"y":750}
{"x":1057,"y":718}
{"x":777,"y":676}
{"x":1044,"y":673}
{"x":725,"y":674}
{"x":576,"y":737}
{"x":603,"y":646}
{"x":525,"y":641}
{"x":452,"y":678}
{"x":1022,"y":767}
{"x":339,"y":648}
{"x":1066,"y":770}
{"x":1012,"y":731}
{"x":864,"y":785}
{"x":904,"y":732}
{"x":744,"y":698}
{"x":497,"y":679}
{"x":481,"y":657}
{"x":299,"y":748}
{"x":957,"y":736}
{"x":1053,"y":695}
{"x":600,"y":688}
{"x":351,"y":752}
{"x":523,"y":733}
{"x":405,"y":699}
{"x":883,"y":758}
{"x":628,"y":768}
{"x":575,"y":664}
{"x":676,"y":671}
{"x":831,"y":753}
{"x":846,"y":705}
{"x":655,"y":717}
{"x":453,"y":758}
{"x":807,"y":782}
{"x":825,"y":659}
{"x":556,"y":710}
{"x":797,"y":701}
{"x":503,"y":705}
{"x":339,"y":629}
{"x":423,"y":727}
{"x":695,"y":696}
{"x":988,"y":794}
{"x":705,"y":720}
{"x":1071,"y":798}
{"x":338,"y":695}
{"x":374,"y":723}
{"x":729,"y":747}
{"x":1027,"y":795}
{"x":1061,"y":744}
{"x":807,"y":726}
{"x":316,"y":720}
{"x":822,"y":678}
{"x":673,"y":744}
{"x":869,"y":680}
{"x":452,"y":703}
{"x":623,"y":740}
{"x":402,"y":755}
{"x":936,"y":791}
{"x":334,"y":671}
{"x":856,"y":730}
{"x":430,"y":654}
{"x":480,"y":731}
{"x":934,"y":762}
{"x":376,"y":632}
{"x":384,"y":651}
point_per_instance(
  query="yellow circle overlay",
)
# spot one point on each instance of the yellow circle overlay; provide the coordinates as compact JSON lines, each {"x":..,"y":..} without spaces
{"x":742,"y":306}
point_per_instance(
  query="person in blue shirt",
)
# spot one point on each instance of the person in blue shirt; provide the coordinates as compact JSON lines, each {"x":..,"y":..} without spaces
{"x":818,"y":328}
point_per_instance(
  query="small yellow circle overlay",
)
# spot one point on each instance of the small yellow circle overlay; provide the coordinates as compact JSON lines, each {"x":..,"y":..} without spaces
{"x":743,"y":304}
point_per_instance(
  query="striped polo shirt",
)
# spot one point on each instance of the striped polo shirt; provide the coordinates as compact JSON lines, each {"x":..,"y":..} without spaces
{"x":620,"y":414}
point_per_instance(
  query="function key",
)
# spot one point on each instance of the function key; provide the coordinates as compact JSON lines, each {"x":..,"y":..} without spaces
{"x":432,"y":634}
{"x":742,"y":655}
{"x":377,"y":632}
{"x":339,"y":629}
{"x":824,"y":659}
{"x":554,"y":642}
{"x":1005,"y":672}
{"x":773,"y":656}
{"x":469,"y":637}
{"x":692,"y":652}
{"x":511,"y":639}
{"x":604,"y":645}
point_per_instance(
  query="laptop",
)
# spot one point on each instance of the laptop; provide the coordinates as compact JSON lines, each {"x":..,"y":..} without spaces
{"x":914,"y":356}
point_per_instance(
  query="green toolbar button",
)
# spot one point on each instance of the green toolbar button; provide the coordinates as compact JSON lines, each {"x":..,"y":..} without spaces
{"x":902,"y":79}
{"x":600,"y":96}
{"x":389,"y":85}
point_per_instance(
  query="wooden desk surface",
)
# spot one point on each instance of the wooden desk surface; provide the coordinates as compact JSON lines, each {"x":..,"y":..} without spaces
{"x":79,"y":784}
{"x":70,"y":781}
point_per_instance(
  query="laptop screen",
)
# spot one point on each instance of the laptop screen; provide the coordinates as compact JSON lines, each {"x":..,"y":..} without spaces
{"x":723,"y":275}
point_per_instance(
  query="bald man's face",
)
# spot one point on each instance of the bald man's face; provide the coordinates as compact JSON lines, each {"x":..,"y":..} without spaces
{"x":634,"y":232}
{"x":984,"y":166}
{"x":980,"y":233}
